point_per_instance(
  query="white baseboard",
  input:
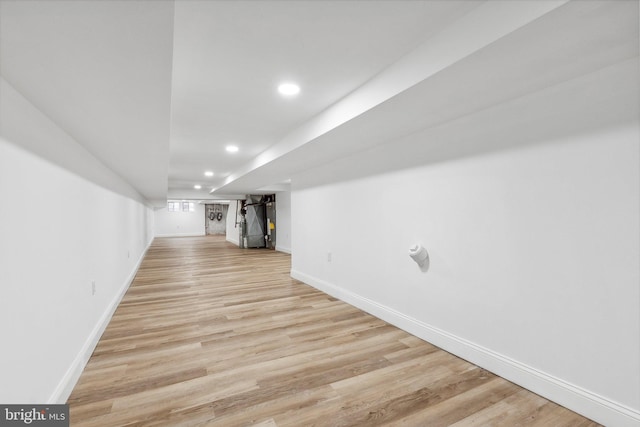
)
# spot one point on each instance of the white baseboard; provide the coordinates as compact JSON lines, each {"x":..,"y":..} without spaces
{"x":235,"y":242}
{"x":283,"y":249}
{"x":589,"y":404}
{"x":181,"y":235}
{"x":70,"y":379}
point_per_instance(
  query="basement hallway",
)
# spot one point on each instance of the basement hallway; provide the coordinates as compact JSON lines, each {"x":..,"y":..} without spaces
{"x":210,"y":334}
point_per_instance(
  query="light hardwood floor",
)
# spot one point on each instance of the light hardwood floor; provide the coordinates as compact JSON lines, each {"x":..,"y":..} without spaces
{"x":209,"y":334}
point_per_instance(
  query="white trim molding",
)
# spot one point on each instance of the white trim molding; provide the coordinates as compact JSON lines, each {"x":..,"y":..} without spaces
{"x":589,"y":404}
{"x":71,"y":377}
{"x":181,"y":235}
{"x":283,"y":249}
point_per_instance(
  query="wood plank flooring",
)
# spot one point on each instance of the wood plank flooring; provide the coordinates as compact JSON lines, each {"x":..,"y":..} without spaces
{"x":210,"y":334}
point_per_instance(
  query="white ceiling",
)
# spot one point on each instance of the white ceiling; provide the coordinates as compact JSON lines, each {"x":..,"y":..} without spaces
{"x":157,"y":89}
{"x":102,"y":71}
{"x":229,"y":58}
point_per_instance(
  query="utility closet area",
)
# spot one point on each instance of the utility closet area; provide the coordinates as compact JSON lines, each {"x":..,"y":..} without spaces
{"x":258,"y":222}
{"x":216,"y":218}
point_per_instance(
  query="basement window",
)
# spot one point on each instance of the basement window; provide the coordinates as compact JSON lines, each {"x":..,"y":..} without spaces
{"x":181,"y":207}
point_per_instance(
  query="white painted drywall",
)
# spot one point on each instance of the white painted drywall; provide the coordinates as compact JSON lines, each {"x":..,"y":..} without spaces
{"x":283,"y":221}
{"x":180,"y":224}
{"x":532,"y":223}
{"x":233,"y":216}
{"x":84,"y":225}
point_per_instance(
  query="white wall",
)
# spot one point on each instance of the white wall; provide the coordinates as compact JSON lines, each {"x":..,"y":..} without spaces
{"x":180,"y":224}
{"x":283,"y":221}
{"x":233,"y":230}
{"x":67,"y":221}
{"x":534,"y":244}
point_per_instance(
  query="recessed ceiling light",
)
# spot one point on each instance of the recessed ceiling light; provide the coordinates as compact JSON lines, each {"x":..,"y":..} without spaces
{"x":232,"y":148}
{"x":197,"y":187}
{"x":208,"y":173}
{"x":289,"y":89}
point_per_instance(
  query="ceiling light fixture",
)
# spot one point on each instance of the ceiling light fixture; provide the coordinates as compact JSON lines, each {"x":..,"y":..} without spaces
{"x":197,"y":187}
{"x":232,"y":148}
{"x":289,"y":89}
{"x":208,"y":173}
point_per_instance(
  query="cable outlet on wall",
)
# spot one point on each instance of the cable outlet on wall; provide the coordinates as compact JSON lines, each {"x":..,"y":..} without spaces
{"x":93,"y":287}
{"x":328,"y":256}
{"x":128,"y":254}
